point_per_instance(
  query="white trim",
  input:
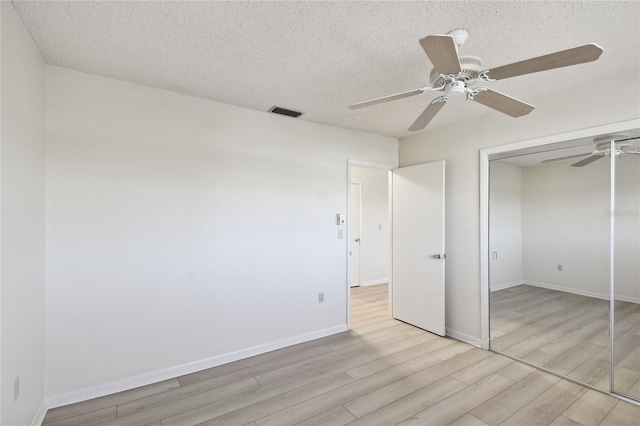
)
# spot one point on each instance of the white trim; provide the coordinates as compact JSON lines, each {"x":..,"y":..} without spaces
{"x":504,"y":286}
{"x":579,"y":292}
{"x":179,"y":370}
{"x":385,"y":166}
{"x":39,"y":416}
{"x":612,"y":267}
{"x":349,"y":250}
{"x":561,"y":137}
{"x":375,"y":282}
{"x":358,"y":163}
{"x":484,"y":248}
{"x":484,"y":198}
{"x":390,"y":227}
{"x":466,"y":338}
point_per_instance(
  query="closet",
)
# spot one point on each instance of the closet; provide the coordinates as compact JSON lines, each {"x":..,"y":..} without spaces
{"x":564,"y":258}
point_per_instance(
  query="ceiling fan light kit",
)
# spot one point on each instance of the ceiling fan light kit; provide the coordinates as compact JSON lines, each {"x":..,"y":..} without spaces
{"x":453,"y":75}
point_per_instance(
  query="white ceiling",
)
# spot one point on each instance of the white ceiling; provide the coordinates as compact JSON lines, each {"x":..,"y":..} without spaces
{"x":319,"y":57}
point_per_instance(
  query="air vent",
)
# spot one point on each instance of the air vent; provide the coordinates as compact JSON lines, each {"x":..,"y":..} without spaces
{"x":284,"y":111}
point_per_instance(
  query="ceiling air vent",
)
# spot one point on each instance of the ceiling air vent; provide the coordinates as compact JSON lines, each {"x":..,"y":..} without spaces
{"x":284,"y":111}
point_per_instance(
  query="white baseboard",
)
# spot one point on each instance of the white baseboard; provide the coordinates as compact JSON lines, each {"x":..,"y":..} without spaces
{"x":375,"y":282}
{"x":581,"y":292}
{"x":180,"y":370}
{"x":627,"y":299}
{"x":39,"y":417}
{"x":466,"y":338}
{"x":503,"y":286}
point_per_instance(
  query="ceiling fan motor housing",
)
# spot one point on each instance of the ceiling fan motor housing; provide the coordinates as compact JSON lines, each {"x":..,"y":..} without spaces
{"x":456,"y":88}
{"x":471,"y":68}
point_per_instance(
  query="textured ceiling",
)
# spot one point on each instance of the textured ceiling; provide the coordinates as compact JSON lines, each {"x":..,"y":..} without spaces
{"x":319,"y":57}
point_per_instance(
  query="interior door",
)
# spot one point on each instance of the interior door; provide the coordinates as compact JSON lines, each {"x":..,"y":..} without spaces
{"x":355,"y":215}
{"x":418,"y":246}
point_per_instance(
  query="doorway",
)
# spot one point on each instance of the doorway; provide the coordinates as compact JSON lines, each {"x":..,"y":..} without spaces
{"x":395,"y":229}
{"x":368,"y":232}
{"x":368,"y":226}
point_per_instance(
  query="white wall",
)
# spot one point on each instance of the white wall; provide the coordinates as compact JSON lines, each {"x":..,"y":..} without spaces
{"x":576,"y":108}
{"x":564,"y":216}
{"x":186,"y":231}
{"x":22,"y":222}
{"x":564,"y":223}
{"x":505,"y":225}
{"x":374,"y":246}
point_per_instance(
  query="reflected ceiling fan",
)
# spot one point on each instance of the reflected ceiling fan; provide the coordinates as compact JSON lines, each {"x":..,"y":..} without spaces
{"x":454,"y":75}
{"x":603,"y":149}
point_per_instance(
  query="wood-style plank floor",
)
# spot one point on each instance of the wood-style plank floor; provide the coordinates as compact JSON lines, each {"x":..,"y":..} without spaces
{"x":569,"y":334}
{"x":381,"y":372}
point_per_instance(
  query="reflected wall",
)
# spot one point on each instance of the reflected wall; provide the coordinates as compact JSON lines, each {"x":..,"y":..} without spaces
{"x":626,"y":244}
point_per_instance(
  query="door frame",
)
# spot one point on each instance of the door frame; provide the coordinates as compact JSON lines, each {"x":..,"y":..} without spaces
{"x":349,"y":243}
{"x":484,"y":202}
{"x":373,"y":165}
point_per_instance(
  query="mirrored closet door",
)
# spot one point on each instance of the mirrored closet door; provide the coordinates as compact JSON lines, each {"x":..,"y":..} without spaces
{"x":564,"y":235}
{"x":626,"y":258}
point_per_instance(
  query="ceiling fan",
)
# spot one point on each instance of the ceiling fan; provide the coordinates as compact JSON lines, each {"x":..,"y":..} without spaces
{"x":603,"y":149}
{"x":454,"y":75}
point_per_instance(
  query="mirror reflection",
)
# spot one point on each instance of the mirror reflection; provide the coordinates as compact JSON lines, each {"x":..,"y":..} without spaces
{"x":626,"y":348}
{"x":550,"y":241}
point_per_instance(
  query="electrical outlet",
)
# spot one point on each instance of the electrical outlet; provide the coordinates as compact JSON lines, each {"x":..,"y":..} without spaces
{"x":559,"y":267}
{"x":340,"y":233}
{"x":320,"y":297}
{"x":16,"y":387}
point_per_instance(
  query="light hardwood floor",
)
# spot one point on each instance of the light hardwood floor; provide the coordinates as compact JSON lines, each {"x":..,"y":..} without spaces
{"x":568,"y":334}
{"x":381,"y":372}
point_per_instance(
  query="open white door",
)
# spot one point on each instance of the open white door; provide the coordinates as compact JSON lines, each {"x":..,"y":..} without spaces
{"x":418,"y":246}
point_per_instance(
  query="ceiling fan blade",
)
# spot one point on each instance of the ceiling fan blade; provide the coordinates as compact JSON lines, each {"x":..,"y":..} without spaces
{"x":568,"y":157}
{"x":587,"y":160}
{"x":564,"y":58}
{"x":442,"y":53}
{"x":387,"y":98}
{"x":502,"y":103}
{"x":427,"y":115}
